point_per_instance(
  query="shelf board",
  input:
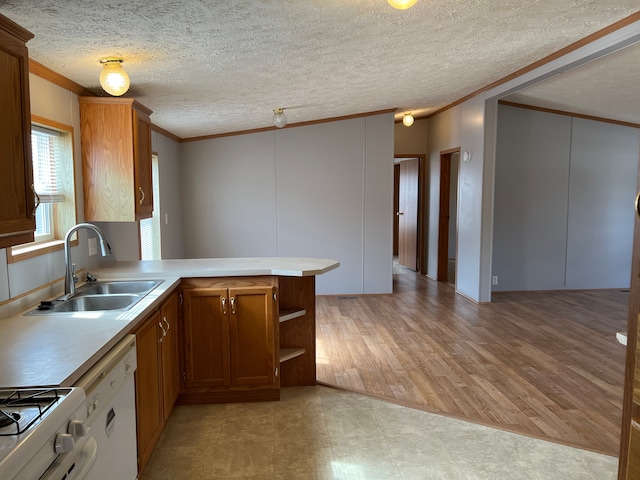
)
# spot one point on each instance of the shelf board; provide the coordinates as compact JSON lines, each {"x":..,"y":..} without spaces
{"x":290,"y":314}
{"x":289,"y":353}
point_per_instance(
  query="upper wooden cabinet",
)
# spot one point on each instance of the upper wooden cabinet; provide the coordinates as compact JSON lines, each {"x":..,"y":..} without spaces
{"x":116,"y":159}
{"x":17,"y":204}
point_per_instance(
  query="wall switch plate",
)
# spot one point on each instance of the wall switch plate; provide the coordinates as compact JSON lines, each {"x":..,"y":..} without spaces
{"x":93,"y":246}
{"x":494,"y":280}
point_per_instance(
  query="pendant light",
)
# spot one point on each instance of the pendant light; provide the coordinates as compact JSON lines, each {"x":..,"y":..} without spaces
{"x":113,"y":78}
{"x":402,"y":4}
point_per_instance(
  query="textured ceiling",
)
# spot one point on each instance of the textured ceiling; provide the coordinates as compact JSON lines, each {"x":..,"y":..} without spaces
{"x":209,"y":66}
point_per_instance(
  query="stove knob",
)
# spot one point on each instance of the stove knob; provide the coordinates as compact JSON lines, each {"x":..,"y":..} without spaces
{"x":64,"y":443}
{"x":77,"y":429}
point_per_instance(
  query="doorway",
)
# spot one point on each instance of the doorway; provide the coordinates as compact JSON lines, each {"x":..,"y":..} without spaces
{"x":407,"y":225}
{"x":447,"y":216}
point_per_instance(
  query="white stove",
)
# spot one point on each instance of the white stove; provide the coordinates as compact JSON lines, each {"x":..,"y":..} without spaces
{"x":43,"y":434}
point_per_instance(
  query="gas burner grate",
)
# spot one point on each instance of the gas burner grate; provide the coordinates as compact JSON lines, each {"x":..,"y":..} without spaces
{"x":39,"y":399}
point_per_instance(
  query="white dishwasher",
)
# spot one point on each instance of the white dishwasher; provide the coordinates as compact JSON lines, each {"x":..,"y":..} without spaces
{"x":111,"y":412}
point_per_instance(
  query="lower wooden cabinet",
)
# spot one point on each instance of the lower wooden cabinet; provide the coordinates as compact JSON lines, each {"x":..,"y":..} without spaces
{"x":169,"y":353}
{"x":230,"y":339}
{"x":157,"y":375}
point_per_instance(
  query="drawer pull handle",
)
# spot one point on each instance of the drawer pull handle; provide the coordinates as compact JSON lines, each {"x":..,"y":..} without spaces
{"x":223,"y":301}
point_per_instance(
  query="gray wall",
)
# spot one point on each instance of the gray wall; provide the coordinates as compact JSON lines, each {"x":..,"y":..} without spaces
{"x":562,"y":217}
{"x":323,"y":190}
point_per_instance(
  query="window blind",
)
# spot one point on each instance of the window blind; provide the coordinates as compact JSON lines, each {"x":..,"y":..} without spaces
{"x":46,"y":151}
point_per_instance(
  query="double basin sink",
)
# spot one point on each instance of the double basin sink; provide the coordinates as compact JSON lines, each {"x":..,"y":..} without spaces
{"x":100,"y":296}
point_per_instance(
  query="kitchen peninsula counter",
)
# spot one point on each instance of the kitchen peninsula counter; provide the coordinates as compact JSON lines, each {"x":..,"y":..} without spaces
{"x":56,"y":350}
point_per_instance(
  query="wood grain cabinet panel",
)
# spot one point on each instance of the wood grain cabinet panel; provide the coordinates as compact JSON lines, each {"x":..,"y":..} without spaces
{"x":149,"y":403}
{"x":169,"y":353}
{"x":116,"y":159}
{"x":157,"y":376}
{"x":230,"y":340}
{"x":17,"y":202}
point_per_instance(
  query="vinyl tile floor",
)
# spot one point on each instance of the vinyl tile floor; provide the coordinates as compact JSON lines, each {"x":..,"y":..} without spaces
{"x":321,"y":433}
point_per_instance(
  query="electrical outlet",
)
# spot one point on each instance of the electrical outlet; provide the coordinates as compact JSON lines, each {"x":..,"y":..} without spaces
{"x":494,"y":280}
{"x":93,"y":246}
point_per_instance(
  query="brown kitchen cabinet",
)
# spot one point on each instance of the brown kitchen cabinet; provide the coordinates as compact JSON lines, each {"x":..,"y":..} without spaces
{"x":169,"y":353}
{"x":149,"y":403}
{"x":116,"y":159}
{"x":230,"y":328}
{"x":17,"y":202}
{"x":157,"y":375}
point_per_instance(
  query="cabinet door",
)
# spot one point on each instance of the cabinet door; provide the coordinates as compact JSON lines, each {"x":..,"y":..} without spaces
{"x":169,"y":348}
{"x":252,"y":332}
{"x":142,"y":170}
{"x":149,"y":419}
{"x":206,"y":334}
{"x":17,"y":222}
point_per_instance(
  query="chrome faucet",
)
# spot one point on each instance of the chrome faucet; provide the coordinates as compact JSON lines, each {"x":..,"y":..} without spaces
{"x":69,"y":276}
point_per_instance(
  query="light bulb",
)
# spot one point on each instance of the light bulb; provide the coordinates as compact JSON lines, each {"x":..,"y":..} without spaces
{"x":407,"y":119}
{"x":113,"y":79}
{"x":279,"y":117}
{"x":402,"y":4}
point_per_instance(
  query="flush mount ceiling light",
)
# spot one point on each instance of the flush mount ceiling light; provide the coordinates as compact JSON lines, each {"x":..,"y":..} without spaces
{"x":113,"y":78}
{"x":407,"y":119}
{"x":279,"y":117}
{"x":402,"y":4}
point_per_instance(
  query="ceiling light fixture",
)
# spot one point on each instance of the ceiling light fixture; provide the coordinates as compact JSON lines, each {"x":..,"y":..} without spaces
{"x":402,"y":4}
{"x":113,"y":78}
{"x":279,"y":117}
{"x":407,"y":119}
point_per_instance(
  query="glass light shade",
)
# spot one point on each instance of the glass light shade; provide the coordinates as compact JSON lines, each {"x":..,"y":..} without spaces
{"x":407,"y":119}
{"x":402,"y":4}
{"x":279,"y":117}
{"x":113,"y":78}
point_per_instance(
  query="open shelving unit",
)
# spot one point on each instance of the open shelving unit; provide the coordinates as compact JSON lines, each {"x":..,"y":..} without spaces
{"x":297,"y":322}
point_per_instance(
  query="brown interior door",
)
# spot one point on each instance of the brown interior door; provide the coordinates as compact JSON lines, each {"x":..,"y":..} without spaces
{"x":629,"y":466}
{"x":407,"y":213}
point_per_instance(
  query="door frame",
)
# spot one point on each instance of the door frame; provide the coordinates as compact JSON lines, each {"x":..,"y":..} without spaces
{"x":422,"y":205}
{"x":443,"y":213}
{"x":631,"y":409}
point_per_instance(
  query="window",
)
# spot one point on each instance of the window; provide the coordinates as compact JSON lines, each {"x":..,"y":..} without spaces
{"x":150,"y":227}
{"x":47,"y":146}
{"x":54,"y":186}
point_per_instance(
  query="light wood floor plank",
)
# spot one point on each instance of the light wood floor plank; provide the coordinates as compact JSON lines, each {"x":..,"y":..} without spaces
{"x":545,"y":364}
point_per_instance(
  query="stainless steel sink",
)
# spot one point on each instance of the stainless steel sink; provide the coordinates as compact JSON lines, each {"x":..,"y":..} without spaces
{"x":141,"y":287}
{"x":92,"y":303}
{"x":100,"y":296}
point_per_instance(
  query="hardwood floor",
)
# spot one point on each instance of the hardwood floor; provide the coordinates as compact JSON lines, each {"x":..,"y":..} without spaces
{"x":545,"y":364}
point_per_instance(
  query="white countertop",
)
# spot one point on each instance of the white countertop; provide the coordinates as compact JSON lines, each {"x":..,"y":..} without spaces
{"x":51,"y":350}
{"x":223,"y":267}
